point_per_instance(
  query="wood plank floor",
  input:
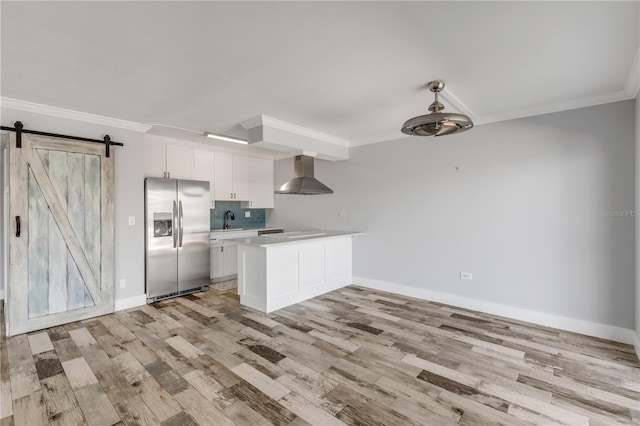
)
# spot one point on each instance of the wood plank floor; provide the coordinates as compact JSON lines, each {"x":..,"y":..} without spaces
{"x":353,"y":356}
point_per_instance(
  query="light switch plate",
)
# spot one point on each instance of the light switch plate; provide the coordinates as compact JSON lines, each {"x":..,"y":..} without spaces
{"x":132,"y":220}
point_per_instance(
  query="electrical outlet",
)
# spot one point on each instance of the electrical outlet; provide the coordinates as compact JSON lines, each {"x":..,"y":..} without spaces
{"x":132,"y":220}
{"x":123,"y":283}
{"x":247,"y":214}
{"x":466,"y":276}
{"x":342,"y":214}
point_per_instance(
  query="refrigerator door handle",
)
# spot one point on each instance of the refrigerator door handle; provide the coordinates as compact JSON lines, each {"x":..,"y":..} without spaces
{"x":174,"y":225}
{"x":181,"y":219}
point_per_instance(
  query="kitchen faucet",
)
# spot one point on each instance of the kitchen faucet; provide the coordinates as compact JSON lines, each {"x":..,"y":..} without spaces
{"x":228,"y":215}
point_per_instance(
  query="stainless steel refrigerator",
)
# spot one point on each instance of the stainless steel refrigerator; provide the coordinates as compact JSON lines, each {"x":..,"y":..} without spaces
{"x":177,"y":233}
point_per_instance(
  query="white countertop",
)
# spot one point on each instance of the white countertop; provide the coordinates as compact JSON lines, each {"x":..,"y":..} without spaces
{"x":292,"y":237}
{"x":227,"y":234}
{"x":215,"y":231}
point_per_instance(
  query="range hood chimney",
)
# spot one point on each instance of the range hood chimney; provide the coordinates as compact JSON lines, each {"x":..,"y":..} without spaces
{"x":303,"y":182}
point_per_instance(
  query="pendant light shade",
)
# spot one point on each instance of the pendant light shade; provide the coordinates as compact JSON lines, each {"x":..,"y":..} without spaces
{"x":437,"y":123}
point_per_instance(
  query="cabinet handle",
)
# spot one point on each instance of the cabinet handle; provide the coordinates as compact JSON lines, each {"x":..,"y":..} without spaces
{"x":221,"y":249}
{"x":169,"y":175}
{"x":17,"y":226}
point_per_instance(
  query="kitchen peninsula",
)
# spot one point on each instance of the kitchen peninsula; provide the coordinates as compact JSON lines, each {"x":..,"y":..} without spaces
{"x":278,"y":270}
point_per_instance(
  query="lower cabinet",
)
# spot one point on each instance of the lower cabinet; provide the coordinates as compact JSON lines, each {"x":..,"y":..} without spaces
{"x":224,"y":260}
{"x":230,"y":259}
{"x":274,"y":276}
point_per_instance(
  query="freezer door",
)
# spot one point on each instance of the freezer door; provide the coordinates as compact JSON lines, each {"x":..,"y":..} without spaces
{"x":161,"y":264}
{"x":193,"y":241}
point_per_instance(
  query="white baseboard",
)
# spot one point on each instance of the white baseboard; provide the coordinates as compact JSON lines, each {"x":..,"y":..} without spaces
{"x":130,"y":302}
{"x":603,"y":331}
{"x":636,"y":342}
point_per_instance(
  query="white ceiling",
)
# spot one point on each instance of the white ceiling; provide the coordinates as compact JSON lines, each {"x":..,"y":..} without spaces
{"x":353,"y":70}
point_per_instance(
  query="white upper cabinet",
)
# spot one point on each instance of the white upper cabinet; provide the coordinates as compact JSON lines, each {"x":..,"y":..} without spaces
{"x":155,"y":159}
{"x":203,"y":165}
{"x":260,"y":183}
{"x":241,"y":177}
{"x":231,"y":175}
{"x":223,"y":176}
{"x":179,"y":162}
{"x":168,"y":161}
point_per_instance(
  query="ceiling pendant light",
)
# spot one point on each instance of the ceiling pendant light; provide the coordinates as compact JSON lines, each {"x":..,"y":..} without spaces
{"x":437,"y":123}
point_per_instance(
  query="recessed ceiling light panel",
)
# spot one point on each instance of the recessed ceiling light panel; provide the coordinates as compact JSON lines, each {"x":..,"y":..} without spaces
{"x":225,"y":138}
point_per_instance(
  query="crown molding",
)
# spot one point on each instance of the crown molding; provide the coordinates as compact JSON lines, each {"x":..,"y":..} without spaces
{"x":607,"y":98}
{"x":20,"y":105}
{"x":263,"y":120}
{"x":633,"y":79}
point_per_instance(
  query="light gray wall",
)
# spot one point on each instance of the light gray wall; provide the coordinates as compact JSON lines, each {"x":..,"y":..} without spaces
{"x":3,"y":140}
{"x":638,"y":224}
{"x":523,"y":205}
{"x":129,"y":189}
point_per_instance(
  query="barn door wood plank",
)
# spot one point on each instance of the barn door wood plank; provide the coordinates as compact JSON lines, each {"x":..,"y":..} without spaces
{"x":76,"y":218}
{"x":92,"y":225}
{"x":58,"y":171}
{"x":38,"y":250}
{"x":107,"y":249}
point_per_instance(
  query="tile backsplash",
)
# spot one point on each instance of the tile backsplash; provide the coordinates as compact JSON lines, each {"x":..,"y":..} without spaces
{"x":257,"y":219}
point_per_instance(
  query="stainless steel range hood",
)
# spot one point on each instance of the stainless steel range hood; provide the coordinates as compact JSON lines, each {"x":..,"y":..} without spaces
{"x":303,"y":182}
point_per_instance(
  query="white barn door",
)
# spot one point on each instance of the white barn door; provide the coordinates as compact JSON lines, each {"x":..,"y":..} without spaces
{"x":61,"y":234}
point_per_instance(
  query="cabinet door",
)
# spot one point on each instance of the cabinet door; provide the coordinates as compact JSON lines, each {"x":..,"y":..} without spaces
{"x":241,"y":178}
{"x":179,"y":162}
{"x":230,"y":258}
{"x":261,"y":183}
{"x":203,"y":170}
{"x":311,"y":265}
{"x":223,"y":176}
{"x":217,"y":260}
{"x":282,"y":267}
{"x":155,"y":160}
{"x":337,"y":260}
